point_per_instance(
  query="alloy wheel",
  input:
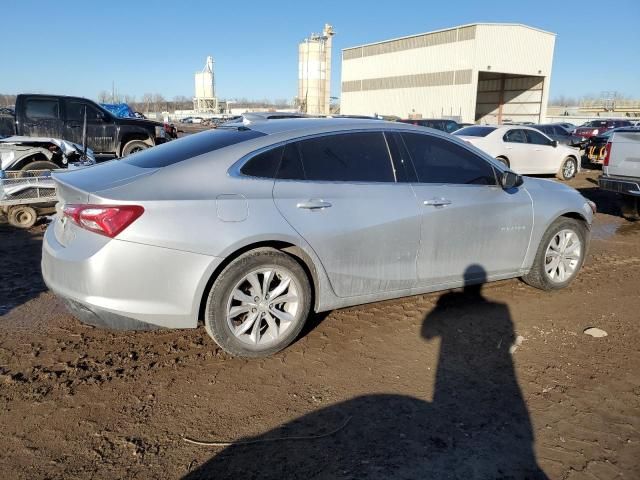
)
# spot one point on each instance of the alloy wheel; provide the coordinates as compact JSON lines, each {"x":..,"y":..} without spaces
{"x":563,"y":256}
{"x":263,"y":306}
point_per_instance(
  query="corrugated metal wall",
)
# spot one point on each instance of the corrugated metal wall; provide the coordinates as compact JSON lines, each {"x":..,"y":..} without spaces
{"x":436,"y":73}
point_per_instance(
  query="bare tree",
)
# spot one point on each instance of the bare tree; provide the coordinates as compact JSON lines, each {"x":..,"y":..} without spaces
{"x":147,"y":100}
{"x":104,"y":96}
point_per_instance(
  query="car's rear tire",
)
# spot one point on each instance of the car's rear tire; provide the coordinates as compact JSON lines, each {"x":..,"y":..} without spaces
{"x":560,"y":255}
{"x":630,"y":207}
{"x":241,"y":315}
{"x":133,"y":146}
{"x":40,"y":165}
{"x":22,"y":216}
{"x":504,"y":160}
{"x":568,"y":169}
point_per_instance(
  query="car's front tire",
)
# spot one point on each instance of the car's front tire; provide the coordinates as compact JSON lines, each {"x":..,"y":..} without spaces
{"x":568,"y":169}
{"x":560,"y":255}
{"x":258,"y":304}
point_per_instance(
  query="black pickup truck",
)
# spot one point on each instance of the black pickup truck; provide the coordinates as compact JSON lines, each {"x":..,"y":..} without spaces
{"x":57,"y":116}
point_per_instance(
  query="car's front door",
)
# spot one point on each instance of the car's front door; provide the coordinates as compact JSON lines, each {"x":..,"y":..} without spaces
{"x":468,"y":220}
{"x":100,"y":131}
{"x":544,"y":155}
{"x":339,"y":192}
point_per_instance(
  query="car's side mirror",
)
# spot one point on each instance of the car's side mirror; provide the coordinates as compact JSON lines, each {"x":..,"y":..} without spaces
{"x":554,"y":143}
{"x":510,"y":180}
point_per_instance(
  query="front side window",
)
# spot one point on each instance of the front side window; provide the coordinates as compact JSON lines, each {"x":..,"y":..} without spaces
{"x":75,"y":111}
{"x":438,"y":160}
{"x":536,"y":138}
{"x":515,"y":136}
{"x":350,"y":157}
{"x":42,"y":109}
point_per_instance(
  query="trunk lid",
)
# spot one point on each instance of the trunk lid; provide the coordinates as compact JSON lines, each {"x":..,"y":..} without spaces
{"x":80,"y":185}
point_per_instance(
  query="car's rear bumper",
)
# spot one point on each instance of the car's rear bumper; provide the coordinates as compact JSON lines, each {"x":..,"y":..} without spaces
{"x":626,"y":186}
{"x":119,"y":284}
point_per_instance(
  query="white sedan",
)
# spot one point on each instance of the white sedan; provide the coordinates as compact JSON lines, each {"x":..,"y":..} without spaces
{"x":523,"y":149}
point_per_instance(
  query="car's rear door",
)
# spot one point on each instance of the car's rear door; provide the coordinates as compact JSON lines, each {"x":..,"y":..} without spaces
{"x":339,"y":192}
{"x":516,"y":150}
{"x":468,"y":220}
{"x":41,"y":117}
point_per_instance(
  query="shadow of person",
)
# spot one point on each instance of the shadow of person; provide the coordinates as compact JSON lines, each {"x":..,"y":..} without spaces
{"x":477,"y":426}
{"x":476,"y":386}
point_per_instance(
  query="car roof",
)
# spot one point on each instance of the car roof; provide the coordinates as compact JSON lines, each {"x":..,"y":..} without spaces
{"x":320,"y":125}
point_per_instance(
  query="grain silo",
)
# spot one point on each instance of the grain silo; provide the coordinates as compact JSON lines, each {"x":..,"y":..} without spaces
{"x":205,"y":99}
{"x":314,"y":72}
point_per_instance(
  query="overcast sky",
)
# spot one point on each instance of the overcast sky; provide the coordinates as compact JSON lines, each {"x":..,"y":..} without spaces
{"x":80,"y":48}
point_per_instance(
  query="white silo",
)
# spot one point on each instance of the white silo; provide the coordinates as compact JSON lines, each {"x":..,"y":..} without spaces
{"x":205,"y":99}
{"x":314,"y":72}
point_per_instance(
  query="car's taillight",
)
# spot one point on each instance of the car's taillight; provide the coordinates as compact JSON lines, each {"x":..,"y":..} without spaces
{"x":595,"y":131}
{"x":108,"y":220}
{"x":607,"y":153}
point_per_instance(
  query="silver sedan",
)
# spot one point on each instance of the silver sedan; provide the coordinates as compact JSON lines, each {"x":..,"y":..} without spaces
{"x":250,"y":227}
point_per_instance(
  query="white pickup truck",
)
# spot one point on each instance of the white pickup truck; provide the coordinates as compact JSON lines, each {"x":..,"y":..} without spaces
{"x":621,"y":169}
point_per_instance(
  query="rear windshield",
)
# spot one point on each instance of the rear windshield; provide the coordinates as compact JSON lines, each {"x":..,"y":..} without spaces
{"x":190,"y":146}
{"x":474,"y":131}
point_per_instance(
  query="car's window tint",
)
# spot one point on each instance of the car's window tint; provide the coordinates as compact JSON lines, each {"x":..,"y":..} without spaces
{"x":42,"y":109}
{"x":450,"y":127}
{"x":401,"y":160}
{"x":75,"y":111}
{"x":291,"y":165}
{"x":438,"y":160}
{"x":264,"y":164}
{"x":474,"y":131}
{"x":515,"y":136}
{"x":356,"y":157}
{"x":536,"y":138}
{"x":191,"y":146}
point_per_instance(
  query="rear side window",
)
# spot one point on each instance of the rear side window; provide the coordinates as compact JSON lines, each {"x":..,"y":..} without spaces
{"x":291,"y":164}
{"x":188,"y":147}
{"x":264,"y":164}
{"x":475,"y":131}
{"x":350,"y":157}
{"x":42,"y":109}
{"x":515,"y":136}
{"x":438,"y":160}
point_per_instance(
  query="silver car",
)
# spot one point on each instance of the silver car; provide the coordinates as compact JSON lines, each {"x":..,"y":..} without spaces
{"x":251,"y":227}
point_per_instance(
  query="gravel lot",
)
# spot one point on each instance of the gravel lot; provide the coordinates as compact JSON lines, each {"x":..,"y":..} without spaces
{"x":500,"y":383}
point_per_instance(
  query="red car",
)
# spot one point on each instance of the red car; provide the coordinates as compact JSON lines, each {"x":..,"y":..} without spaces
{"x":598,"y":127}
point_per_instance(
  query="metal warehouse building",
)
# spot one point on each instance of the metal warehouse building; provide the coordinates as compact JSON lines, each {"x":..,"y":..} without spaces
{"x":484,"y":72}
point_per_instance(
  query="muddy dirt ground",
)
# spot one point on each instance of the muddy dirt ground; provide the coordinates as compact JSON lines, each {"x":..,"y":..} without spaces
{"x":500,"y":383}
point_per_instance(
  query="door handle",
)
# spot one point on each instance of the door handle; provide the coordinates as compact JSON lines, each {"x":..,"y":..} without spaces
{"x":313,"y":204}
{"x":437,"y":202}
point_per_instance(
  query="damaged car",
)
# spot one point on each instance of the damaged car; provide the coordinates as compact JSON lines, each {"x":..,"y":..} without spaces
{"x":39,"y":153}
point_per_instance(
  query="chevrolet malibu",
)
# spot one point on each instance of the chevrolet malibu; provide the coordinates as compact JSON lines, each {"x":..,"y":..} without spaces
{"x":249,"y":228}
